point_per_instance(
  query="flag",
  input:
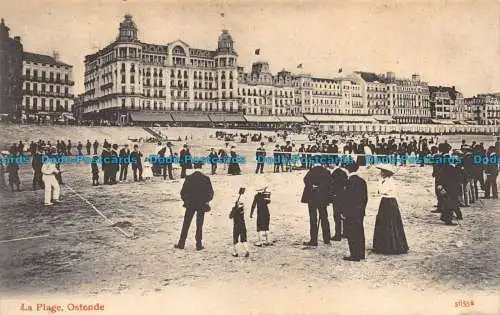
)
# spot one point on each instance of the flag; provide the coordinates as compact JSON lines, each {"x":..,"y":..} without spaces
{"x":257,"y":51}
{"x":340,"y":70}
{"x":299,"y":66}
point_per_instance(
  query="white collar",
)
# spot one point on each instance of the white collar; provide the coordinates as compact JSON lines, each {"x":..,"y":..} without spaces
{"x":352,"y":174}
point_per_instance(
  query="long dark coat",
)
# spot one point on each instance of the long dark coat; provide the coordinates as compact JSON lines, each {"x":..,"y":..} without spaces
{"x":320,"y":177}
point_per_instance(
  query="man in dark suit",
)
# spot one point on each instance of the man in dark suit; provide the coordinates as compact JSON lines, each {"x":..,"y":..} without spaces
{"x":124,"y":155}
{"x":353,"y":212}
{"x":136,"y":160}
{"x":339,"y":178}
{"x":185,"y":160}
{"x":115,"y":165}
{"x":260,"y":154}
{"x":449,"y":186}
{"x":106,"y":163}
{"x":318,"y":194}
{"x":170,"y":156}
{"x":491,"y":171}
{"x":196,"y":193}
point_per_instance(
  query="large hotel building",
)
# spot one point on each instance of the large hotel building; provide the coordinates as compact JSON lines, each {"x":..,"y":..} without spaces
{"x":33,"y":87}
{"x":129,"y":78}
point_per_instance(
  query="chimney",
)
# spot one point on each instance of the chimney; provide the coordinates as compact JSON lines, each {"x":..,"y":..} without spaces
{"x":391,"y":76}
{"x":17,"y":39}
{"x":55,"y":54}
{"x":415,"y":77}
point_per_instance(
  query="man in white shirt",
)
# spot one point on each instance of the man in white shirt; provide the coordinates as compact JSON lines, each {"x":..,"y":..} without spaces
{"x":52,"y":189}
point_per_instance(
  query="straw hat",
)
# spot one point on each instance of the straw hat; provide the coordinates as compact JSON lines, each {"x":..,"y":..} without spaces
{"x":388,"y":168}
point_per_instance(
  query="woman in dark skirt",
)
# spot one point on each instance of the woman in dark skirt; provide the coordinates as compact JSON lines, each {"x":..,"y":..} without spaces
{"x":234,"y":166}
{"x":389,"y":236}
{"x":261,"y":200}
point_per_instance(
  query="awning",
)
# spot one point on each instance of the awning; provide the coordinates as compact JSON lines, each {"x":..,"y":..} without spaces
{"x":292,"y":119}
{"x":383,"y":117}
{"x":262,"y":119}
{"x":190,"y":117}
{"x":442,"y":121}
{"x":226,"y":117}
{"x":340,"y":118}
{"x":151,"y":116}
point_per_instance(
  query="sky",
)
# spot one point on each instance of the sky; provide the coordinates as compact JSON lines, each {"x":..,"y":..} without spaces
{"x":453,"y":43}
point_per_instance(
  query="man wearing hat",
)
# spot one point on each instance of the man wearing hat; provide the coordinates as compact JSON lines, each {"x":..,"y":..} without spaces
{"x":115,"y":165}
{"x":105,"y":156}
{"x":36,"y":164}
{"x":339,"y":178}
{"x":170,"y":155}
{"x":288,"y":156}
{"x":196,"y":193}
{"x":49,"y":171}
{"x":185,"y":160}
{"x":124,"y":159}
{"x":276,"y":158}
{"x":353,"y":211}
{"x":260,"y":154}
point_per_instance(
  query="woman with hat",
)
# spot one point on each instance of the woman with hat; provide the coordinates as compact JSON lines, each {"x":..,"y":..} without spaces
{"x":389,"y":236}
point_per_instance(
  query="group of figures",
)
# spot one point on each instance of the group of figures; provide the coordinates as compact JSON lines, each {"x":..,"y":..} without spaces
{"x":348,"y":193}
{"x":458,"y":184}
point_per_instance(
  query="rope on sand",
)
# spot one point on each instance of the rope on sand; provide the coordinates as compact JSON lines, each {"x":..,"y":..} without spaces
{"x":50,"y":235}
{"x":99,"y":212}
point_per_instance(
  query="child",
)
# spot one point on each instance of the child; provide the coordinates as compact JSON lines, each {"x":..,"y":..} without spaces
{"x":147,"y":172}
{"x":261,"y":200}
{"x":95,"y":171}
{"x":239,"y":228}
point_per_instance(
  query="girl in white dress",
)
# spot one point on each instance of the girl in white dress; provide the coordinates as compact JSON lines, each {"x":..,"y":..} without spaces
{"x":147,"y":169}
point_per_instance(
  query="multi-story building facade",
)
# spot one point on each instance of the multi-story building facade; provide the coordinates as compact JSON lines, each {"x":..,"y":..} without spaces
{"x":261,"y":93}
{"x":406,"y":100}
{"x":336,"y":96}
{"x":447,"y":103}
{"x":484,"y":109}
{"x":129,"y":75}
{"x":11,"y":53}
{"x":47,"y":87}
{"x":409,"y":99}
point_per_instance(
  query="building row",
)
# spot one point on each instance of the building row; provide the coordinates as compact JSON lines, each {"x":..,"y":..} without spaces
{"x":129,"y":76}
{"x":33,"y":87}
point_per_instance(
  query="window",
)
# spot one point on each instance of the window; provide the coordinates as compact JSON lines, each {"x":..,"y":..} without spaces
{"x":28,"y":73}
{"x":27,"y":86}
{"x":66,"y":105}
{"x":51,"y":105}
{"x":66,"y":91}
{"x":123,"y":103}
{"x":35,"y":73}
{"x":123,"y":90}
{"x":123,"y":78}
{"x":27,"y":101}
{"x":43,"y":75}
{"x":66,"y":78}
{"x":43,"y":104}
{"x":51,"y":88}
{"x":132,"y":79}
{"x":58,"y":89}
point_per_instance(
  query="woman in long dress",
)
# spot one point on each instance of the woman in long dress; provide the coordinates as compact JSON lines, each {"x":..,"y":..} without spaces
{"x":389,"y":236}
